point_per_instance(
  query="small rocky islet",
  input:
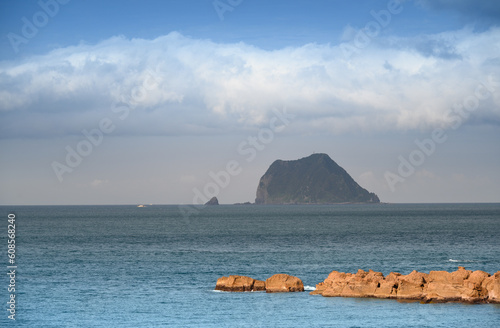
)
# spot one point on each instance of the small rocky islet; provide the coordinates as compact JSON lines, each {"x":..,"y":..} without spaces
{"x":463,"y":285}
{"x":213,"y":201}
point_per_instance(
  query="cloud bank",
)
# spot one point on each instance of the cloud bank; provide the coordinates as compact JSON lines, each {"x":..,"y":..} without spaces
{"x":177,"y":85}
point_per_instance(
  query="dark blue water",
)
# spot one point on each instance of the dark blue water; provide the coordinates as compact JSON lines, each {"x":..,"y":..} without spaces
{"x":123,"y":266}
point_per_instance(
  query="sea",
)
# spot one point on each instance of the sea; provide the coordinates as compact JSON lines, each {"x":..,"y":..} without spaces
{"x":157,"y":266}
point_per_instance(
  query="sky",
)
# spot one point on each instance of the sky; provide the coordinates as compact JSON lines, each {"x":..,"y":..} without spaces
{"x":173,"y":102}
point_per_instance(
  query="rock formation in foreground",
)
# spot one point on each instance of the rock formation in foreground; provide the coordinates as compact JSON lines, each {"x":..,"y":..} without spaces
{"x":274,"y":284}
{"x":213,"y":201}
{"x":239,"y":284}
{"x":436,"y":286}
{"x":316,"y":179}
{"x":281,"y":282}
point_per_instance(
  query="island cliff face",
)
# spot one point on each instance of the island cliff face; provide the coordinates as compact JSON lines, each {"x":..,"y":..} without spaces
{"x":316,"y":179}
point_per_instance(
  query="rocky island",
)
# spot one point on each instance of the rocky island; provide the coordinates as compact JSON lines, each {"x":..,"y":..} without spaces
{"x":212,"y":201}
{"x":315,"y":179}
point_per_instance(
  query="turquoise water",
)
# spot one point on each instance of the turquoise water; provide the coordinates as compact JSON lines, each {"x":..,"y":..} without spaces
{"x":123,"y":266}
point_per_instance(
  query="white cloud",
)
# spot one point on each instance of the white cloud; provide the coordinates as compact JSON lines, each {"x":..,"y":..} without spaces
{"x":178,"y":85}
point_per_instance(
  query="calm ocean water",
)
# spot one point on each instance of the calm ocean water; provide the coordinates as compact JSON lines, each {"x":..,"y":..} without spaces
{"x":123,"y":266}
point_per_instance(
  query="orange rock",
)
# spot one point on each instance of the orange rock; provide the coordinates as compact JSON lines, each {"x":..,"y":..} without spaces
{"x":361,"y":273}
{"x":333,"y":291}
{"x":389,"y":286}
{"x":333,"y":284}
{"x":334,"y":275}
{"x":393,"y":276}
{"x":360,"y":288}
{"x":386,"y":289}
{"x":320,"y":288}
{"x":437,"y":286}
{"x":374,"y":276}
{"x":492,"y":285}
{"x":447,"y":286}
{"x":441,"y":292}
{"x":476,"y":278}
{"x":446,"y":277}
{"x":363,"y":284}
{"x":461,"y":274}
{"x":412,"y":285}
{"x":235,"y":284}
{"x":259,"y":285}
{"x":439,"y":276}
{"x":283,"y":283}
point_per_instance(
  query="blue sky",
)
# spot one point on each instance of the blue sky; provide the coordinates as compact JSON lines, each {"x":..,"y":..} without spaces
{"x":271,"y":24}
{"x":177,"y":88}
{"x":266,"y":24}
